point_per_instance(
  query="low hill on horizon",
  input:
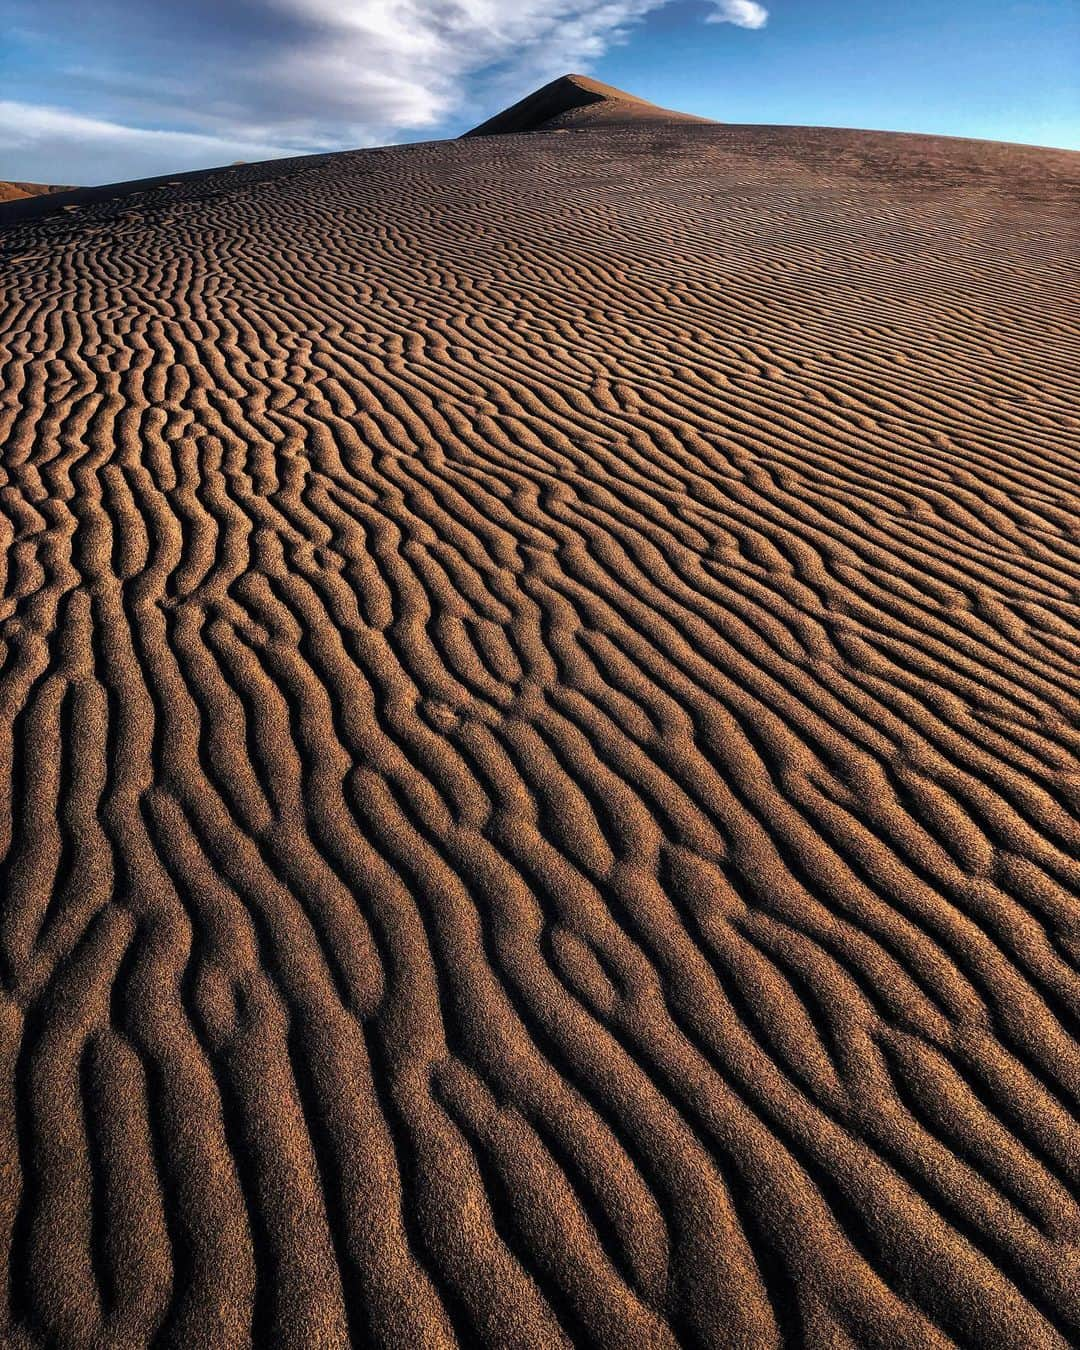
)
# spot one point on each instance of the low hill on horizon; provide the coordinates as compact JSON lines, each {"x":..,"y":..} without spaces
{"x":13,"y":192}
{"x":570,"y":103}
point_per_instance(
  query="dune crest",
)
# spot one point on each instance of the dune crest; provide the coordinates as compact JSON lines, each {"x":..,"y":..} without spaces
{"x":576,"y":102}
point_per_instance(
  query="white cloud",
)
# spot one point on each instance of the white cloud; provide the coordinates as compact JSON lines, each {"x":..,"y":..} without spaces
{"x":408,"y":63}
{"x":743,"y":13}
{"x":244,"y":81}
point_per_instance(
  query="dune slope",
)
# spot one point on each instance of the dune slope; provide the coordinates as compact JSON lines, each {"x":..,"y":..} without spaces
{"x":538,"y":705}
{"x":576,"y":102}
{"x":14,"y":192}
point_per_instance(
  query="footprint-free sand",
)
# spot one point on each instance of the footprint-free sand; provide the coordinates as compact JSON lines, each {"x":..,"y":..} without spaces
{"x":538,"y":726}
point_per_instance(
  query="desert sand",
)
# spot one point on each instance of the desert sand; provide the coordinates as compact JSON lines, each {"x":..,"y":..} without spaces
{"x":576,"y":102}
{"x":538,"y":726}
{"x":14,"y":192}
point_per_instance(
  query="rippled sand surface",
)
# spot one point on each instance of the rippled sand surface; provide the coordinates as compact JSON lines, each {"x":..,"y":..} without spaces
{"x":538,"y":724}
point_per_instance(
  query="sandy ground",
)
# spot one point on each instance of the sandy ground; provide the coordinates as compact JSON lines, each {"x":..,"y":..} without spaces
{"x":538,"y":715}
{"x":14,"y":192}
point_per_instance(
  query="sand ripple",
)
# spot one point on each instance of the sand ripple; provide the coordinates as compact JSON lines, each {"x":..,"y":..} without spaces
{"x":538,"y":725}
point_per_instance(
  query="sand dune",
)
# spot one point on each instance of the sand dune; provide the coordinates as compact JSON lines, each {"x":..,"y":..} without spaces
{"x":538,"y":723}
{"x":14,"y":192}
{"x":577,"y":103}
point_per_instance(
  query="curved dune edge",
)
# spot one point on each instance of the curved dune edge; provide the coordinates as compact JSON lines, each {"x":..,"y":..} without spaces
{"x":538,"y":720}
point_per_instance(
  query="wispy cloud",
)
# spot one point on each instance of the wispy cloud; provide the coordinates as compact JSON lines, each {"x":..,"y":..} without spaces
{"x":228,"y":79}
{"x":742,"y":13}
{"x":93,"y":149}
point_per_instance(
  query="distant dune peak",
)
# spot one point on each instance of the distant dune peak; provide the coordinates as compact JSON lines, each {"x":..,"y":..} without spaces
{"x":576,"y":102}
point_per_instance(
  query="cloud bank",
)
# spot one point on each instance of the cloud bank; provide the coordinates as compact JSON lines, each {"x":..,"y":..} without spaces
{"x":129,"y":88}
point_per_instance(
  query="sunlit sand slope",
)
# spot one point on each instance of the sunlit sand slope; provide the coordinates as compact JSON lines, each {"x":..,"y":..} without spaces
{"x":14,"y":192}
{"x":538,"y":718}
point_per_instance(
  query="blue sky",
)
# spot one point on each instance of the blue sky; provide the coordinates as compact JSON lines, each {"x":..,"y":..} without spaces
{"x":97,"y":90}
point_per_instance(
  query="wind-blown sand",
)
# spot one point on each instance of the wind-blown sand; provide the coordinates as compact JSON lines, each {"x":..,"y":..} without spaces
{"x":14,"y":192}
{"x":538,"y":714}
